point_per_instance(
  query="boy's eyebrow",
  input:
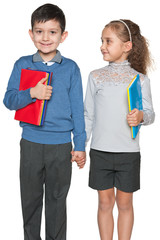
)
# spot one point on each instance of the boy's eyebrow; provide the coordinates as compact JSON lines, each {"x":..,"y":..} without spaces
{"x":42,"y":28}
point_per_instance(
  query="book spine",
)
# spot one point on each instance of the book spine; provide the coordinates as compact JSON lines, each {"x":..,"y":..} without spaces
{"x":42,"y":108}
{"x":130,"y":109}
{"x":129,"y":104}
{"x":43,"y":112}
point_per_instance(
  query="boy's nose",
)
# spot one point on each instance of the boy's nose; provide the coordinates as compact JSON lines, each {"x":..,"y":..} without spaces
{"x":45,"y":36}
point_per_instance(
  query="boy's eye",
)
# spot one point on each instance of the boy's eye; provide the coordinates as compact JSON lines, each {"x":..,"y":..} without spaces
{"x":53,"y":32}
{"x":38,"y":31}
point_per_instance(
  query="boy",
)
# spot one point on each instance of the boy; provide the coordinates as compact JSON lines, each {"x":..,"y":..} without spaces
{"x":46,"y":150}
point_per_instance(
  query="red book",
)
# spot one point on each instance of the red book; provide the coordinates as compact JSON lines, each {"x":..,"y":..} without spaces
{"x":34,"y":113}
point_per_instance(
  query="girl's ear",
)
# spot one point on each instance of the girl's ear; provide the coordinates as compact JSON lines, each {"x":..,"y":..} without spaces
{"x":128,"y":46}
{"x":64,"y":36}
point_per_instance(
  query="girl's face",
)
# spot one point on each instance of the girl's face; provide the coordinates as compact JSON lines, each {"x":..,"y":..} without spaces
{"x":113,"y":49}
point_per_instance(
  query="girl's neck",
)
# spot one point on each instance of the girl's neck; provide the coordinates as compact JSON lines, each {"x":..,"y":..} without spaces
{"x":123,"y":63}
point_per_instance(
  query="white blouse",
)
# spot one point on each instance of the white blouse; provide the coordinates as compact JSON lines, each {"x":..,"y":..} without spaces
{"x":106,"y":108}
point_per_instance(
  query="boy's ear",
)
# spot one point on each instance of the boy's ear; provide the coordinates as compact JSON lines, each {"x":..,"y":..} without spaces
{"x":31,"y":34}
{"x":64,"y":36}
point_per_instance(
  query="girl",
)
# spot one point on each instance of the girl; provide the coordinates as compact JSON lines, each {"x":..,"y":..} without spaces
{"x":115,"y":156}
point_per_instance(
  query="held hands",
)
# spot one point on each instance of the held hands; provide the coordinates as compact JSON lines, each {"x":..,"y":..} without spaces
{"x":135,"y":117}
{"x":79,"y":157}
{"x":41,"y":91}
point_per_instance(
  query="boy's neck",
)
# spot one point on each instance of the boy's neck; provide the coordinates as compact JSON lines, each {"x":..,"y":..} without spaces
{"x":38,"y":58}
{"x":47,"y":56}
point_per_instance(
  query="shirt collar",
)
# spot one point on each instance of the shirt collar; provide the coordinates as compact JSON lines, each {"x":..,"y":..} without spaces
{"x":57,"y":58}
{"x":120,"y":64}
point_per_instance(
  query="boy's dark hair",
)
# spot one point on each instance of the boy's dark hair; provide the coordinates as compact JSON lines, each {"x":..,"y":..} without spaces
{"x":48,"y":12}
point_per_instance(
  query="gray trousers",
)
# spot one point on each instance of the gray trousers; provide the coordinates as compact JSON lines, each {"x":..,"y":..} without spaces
{"x":46,"y":168}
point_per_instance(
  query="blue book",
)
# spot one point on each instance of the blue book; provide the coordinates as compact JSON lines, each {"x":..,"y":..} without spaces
{"x":135,"y":100}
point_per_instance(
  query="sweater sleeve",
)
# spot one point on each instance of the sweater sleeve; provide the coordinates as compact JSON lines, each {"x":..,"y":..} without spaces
{"x":89,"y":107}
{"x":148,"y":110}
{"x":15,"y":99}
{"x":77,"y":110}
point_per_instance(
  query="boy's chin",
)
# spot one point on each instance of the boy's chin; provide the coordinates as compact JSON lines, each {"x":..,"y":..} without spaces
{"x":47,"y":51}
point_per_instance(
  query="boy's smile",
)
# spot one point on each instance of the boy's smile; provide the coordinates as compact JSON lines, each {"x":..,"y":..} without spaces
{"x":46,"y":37}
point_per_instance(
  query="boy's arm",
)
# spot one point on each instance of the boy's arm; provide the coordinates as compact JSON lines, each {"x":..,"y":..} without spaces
{"x":77,"y":110}
{"x":15,"y":99}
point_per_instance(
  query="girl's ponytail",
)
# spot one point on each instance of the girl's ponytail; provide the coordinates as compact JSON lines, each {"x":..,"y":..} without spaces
{"x":139,"y":56}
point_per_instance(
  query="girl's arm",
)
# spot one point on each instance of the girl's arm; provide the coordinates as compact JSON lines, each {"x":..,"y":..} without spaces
{"x":148,"y":111}
{"x":89,"y":107}
{"x":147,"y":116}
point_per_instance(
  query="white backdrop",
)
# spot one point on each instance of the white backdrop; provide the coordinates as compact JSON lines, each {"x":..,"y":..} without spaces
{"x":85,"y":21}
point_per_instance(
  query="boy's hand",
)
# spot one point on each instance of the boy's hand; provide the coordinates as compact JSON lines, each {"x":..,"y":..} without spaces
{"x":79,"y":157}
{"x":135,"y":117}
{"x":41,"y":91}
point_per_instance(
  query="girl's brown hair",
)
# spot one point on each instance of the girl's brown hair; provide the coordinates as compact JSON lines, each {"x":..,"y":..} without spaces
{"x":139,"y":56}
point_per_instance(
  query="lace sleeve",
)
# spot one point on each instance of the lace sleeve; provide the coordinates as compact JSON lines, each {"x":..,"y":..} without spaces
{"x":148,"y":110}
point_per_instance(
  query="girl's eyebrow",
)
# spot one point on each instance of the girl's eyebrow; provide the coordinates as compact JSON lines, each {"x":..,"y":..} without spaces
{"x":106,"y":38}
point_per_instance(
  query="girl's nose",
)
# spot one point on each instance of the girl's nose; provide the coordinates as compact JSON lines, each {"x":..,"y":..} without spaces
{"x":102,"y":46}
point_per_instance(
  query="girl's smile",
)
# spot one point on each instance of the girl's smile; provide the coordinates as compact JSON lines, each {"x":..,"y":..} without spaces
{"x":113,"y":49}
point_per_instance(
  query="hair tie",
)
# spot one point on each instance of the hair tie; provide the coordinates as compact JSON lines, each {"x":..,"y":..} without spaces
{"x":130,"y":37}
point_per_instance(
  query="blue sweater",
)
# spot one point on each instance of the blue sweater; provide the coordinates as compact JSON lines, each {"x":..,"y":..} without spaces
{"x":64,"y":113}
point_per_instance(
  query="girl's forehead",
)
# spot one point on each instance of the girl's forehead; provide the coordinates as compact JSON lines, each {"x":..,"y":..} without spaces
{"x":108,"y":32}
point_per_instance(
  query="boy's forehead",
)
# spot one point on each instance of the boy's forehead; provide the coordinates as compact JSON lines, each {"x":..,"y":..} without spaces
{"x":47,"y":24}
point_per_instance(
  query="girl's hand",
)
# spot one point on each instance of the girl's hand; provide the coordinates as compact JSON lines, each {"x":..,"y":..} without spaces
{"x":135,"y":117}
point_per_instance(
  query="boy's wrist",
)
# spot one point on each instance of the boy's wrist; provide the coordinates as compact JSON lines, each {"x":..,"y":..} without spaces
{"x":80,"y":154}
{"x":80,"y":147}
{"x":32,"y":94}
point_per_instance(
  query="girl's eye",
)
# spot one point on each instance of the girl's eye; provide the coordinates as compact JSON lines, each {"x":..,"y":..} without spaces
{"x":102,"y":40}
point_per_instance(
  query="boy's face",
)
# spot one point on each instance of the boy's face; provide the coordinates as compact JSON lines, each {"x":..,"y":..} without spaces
{"x":46,"y":37}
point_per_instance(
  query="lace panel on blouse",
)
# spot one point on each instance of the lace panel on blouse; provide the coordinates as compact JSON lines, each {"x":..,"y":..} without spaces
{"x":116,"y":74}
